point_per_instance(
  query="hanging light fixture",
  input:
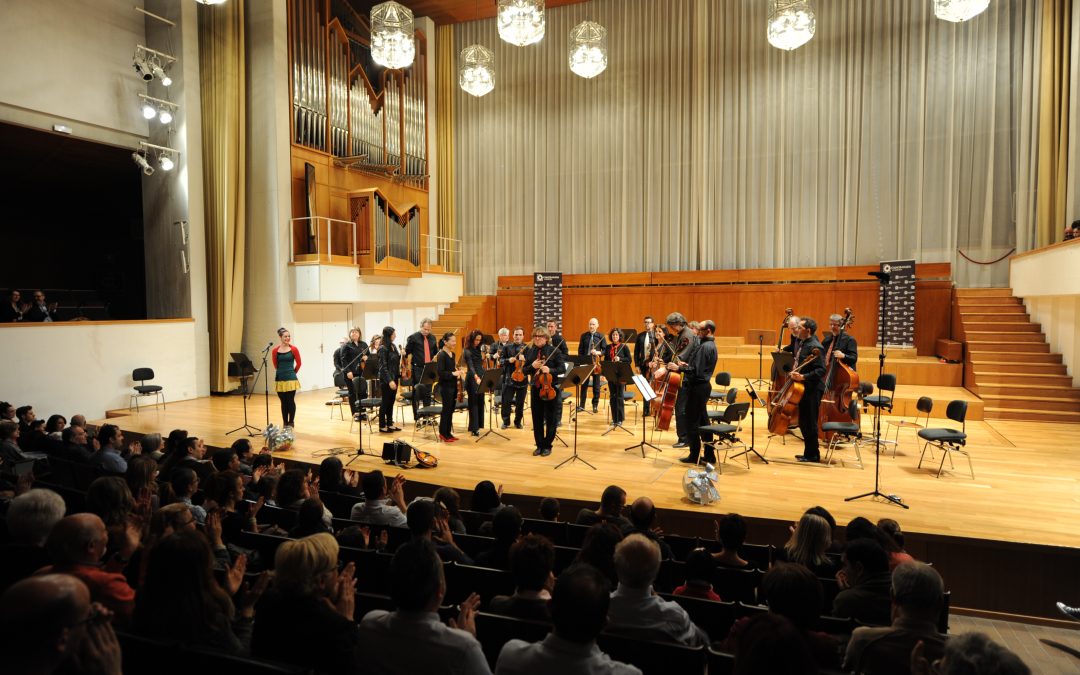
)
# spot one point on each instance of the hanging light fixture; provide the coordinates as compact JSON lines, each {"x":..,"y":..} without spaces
{"x":392,"y":35}
{"x":958,"y":11}
{"x":155,"y":107}
{"x":521,"y":22}
{"x":476,"y":75}
{"x":791,"y":24}
{"x":588,"y":49}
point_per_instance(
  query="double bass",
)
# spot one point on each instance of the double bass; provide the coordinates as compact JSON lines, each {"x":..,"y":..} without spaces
{"x":784,"y":406}
{"x":779,"y":376}
{"x":841,"y":383}
{"x":666,"y":384}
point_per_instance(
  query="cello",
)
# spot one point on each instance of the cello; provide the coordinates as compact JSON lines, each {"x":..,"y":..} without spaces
{"x":784,"y":406}
{"x":841,"y":383}
{"x":668,"y":383}
{"x":779,"y":377}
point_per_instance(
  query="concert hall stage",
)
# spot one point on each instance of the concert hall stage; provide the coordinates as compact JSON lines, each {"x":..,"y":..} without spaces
{"x":1012,"y":519}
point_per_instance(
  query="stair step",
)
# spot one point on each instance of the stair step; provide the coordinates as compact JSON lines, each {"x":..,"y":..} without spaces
{"x":1016,"y":389}
{"x":1002,"y":335}
{"x":976,"y":354}
{"x":1008,"y":345}
{"x":983,"y":378}
{"x":998,"y":327}
{"x":992,"y":312}
{"x":1023,"y":414}
{"x":996,"y":318}
{"x":982,"y":301}
{"x":973,"y":292}
{"x":1018,"y":367}
{"x":1036,"y":402}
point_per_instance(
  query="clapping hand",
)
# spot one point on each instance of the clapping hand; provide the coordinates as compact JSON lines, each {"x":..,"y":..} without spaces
{"x":466,"y":619}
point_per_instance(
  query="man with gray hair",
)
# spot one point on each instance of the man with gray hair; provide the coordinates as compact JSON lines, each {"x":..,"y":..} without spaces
{"x":917,"y":596}
{"x":969,"y":653}
{"x":635,"y":611}
{"x":30,"y":519}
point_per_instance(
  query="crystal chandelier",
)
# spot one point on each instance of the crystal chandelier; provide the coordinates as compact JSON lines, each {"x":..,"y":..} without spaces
{"x":477,"y":72}
{"x":791,"y":24}
{"x":392,"y":43}
{"x":959,"y":10}
{"x":588,"y":49}
{"x":521,"y":22}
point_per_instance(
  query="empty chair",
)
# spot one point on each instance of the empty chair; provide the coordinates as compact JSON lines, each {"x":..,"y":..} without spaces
{"x":722,"y":380}
{"x":844,"y":432}
{"x":723,"y":432}
{"x":885,"y":383}
{"x":142,"y":376}
{"x":923,"y":406}
{"x":949,"y":440}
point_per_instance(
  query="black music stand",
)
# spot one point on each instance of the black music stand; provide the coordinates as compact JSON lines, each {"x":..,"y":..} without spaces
{"x":760,"y":336}
{"x":490,"y":381}
{"x":578,"y":362}
{"x":648,"y":395}
{"x":619,"y":372}
{"x":428,"y":376}
{"x":754,"y":399}
{"x":246,"y":369}
{"x":575,"y":378}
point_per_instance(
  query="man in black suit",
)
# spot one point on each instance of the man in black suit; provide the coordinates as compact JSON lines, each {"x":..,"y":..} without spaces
{"x":644,"y":343}
{"x":559,"y":342}
{"x":421,"y":349}
{"x":843,"y":347}
{"x":39,"y":311}
{"x":812,"y":377}
{"x":591,"y":344}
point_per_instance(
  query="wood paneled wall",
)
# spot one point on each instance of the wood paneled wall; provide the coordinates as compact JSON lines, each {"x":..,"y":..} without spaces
{"x":738,"y":301}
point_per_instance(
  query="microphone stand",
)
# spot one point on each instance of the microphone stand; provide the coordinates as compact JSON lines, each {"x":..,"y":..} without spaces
{"x":266,"y":382}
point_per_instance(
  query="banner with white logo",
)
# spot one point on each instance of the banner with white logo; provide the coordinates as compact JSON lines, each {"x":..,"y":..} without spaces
{"x":547,"y":298}
{"x":898,"y":299}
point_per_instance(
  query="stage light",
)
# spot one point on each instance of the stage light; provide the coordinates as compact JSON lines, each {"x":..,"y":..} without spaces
{"x":392,"y":35}
{"x":140,"y":159}
{"x":792,"y":24}
{"x":142,"y":69}
{"x":211,"y":2}
{"x":156,"y":107}
{"x":150,"y":63}
{"x":521,"y":22}
{"x":148,"y":111}
{"x":165,"y":117}
{"x":959,"y":11}
{"x":588,"y":49}
{"x":166,"y":163}
{"x":161,"y":75}
{"x":476,"y":75}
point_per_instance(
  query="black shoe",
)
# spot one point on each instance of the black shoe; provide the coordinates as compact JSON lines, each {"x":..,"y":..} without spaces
{"x":537,"y":452}
{"x":809,"y":460}
{"x":545,"y":452}
{"x":517,"y":425}
{"x":504,"y":425}
{"x":475,"y":433}
{"x":710,"y":460}
{"x":1071,"y":612}
{"x":681,"y":444}
{"x":688,"y":460}
{"x":581,"y":408}
{"x":595,"y":410}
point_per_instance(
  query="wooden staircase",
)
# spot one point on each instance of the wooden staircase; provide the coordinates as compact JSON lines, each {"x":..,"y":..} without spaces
{"x":465,"y":314}
{"x":1010,"y":365}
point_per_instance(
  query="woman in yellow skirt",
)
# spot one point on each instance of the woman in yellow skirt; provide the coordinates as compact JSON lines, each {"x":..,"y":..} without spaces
{"x":286,"y":359}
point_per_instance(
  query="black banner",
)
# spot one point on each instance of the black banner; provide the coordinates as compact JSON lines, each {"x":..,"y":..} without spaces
{"x":547,"y":298}
{"x":898,"y":298}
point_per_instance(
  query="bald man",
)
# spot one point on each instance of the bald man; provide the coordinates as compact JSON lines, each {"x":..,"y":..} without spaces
{"x":77,"y":545}
{"x":48,"y":621}
{"x":591,"y":344}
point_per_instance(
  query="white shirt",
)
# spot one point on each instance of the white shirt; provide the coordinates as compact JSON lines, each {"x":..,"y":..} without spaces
{"x":638,"y":613}
{"x":417,"y":642}
{"x":378,"y":512}
{"x":553,"y":654}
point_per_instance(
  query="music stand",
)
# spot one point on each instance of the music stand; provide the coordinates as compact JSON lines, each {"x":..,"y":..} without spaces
{"x":754,"y":398}
{"x":428,"y":376}
{"x":574,"y":379}
{"x":620,"y":373}
{"x":648,"y":395}
{"x":760,"y":336}
{"x":489,"y":382}
{"x":628,"y":335}
{"x":246,"y":369}
{"x":580,"y":361}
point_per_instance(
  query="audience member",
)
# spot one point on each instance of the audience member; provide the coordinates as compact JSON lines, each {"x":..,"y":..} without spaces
{"x":24,"y":415}
{"x":49,"y":624}
{"x":412,"y":639}
{"x":810,"y":539}
{"x":486,"y":498}
{"x":887,"y":533}
{"x":612,"y":502}
{"x":76,"y":446}
{"x":579,"y":607}
{"x":917,"y":597}
{"x":643,"y":521}
{"x":635,"y":610}
{"x":699,"y":569}
{"x":10,"y":451}
{"x":506,"y":528}
{"x":532,"y":559}
{"x":30,"y":518}
{"x":549,"y":509}
{"x":970,"y":654}
{"x":109,"y":498}
{"x":77,"y":546}
{"x":109,"y":458}
{"x":141,"y":478}
{"x":13,"y":310}
{"x":382,"y":505}
{"x":226,"y":489}
{"x":55,"y":424}
{"x":771,"y":645}
{"x":836,"y":546}
{"x":309,"y":520}
{"x":334,"y":478}
{"x":427,"y":521}
{"x":731,"y":532}
{"x":598,"y":550}
{"x":175,"y":448}
{"x":78,"y":420}
{"x":151,"y":446}
{"x":40,"y":310}
{"x":451,"y":501}
{"x":225,"y":459}
{"x":185,"y":483}
{"x":244,"y":451}
{"x":306,"y":617}
{"x":32,"y":441}
{"x":865,"y":582}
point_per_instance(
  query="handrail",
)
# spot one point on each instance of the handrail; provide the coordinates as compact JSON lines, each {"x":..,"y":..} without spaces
{"x":323,"y":230}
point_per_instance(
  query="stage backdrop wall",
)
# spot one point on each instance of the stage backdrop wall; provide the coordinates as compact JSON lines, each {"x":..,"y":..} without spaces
{"x":890,"y":135}
{"x":85,"y":366}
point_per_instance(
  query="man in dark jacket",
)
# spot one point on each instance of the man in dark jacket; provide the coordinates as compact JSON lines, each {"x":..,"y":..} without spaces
{"x":866,"y":574}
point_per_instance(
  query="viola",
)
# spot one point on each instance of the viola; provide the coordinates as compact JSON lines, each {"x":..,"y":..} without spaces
{"x":545,"y":382}
{"x":784,"y":406}
{"x":841,"y":383}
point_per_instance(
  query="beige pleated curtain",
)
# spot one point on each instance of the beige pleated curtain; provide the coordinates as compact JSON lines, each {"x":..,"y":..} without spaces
{"x":223,"y":91}
{"x":890,"y":135}
{"x":1055,"y":63}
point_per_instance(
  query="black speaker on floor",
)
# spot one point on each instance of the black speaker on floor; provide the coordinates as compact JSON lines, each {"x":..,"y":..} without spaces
{"x":397,"y":453}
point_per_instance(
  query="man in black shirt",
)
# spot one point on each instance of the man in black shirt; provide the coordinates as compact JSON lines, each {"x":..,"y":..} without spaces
{"x":559,"y":342}
{"x":421,"y":348}
{"x":696,"y":385}
{"x":644,"y":344}
{"x":591,"y":344}
{"x":842,"y":346}
{"x":352,"y":366}
{"x":513,"y":391}
{"x":812,"y":377}
{"x":541,"y":357}
{"x":685,"y":341}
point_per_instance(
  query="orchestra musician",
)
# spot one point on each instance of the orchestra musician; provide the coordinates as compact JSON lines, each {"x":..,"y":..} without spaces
{"x":498,"y":354}
{"x":446,"y":367}
{"x":389,"y":374}
{"x":513,"y":392}
{"x":843,"y":347}
{"x":420,"y":347}
{"x":352,"y":366}
{"x":616,"y":352}
{"x":372,"y":353}
{"x":684,"y":344}
{"x":644,"y":344}
{"x":812,"y":377}
{"x":474,"y":372}
{"x":592,"y":344}
{"x":559,"y":342}
{"x":696,"y":384}
{"x":541,"y":357}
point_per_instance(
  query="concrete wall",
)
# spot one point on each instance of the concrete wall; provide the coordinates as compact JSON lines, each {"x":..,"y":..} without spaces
{"x":85,"y":366}
{"x":1048,"y":280}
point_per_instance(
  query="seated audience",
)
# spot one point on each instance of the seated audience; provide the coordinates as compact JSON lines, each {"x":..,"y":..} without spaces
{"x":226,"y":489}
{"x":334,"y":478}
{"x":579,"y":607}
{"x":549,"y":509}
{"x":76,"y":444}
{"x":30,"y":518}
{"x":10,"y":450}
{"x":861,"y":528}
{"x":426,"y":521}
{"x":244,"y":451}
{"x":807,"y":545}
{"x":13,"y":309}
{"x":412,"y":639}
{"x":294,"y":488}
{"x":175,"y":448}
{"x":180,"y":599}
{"x":836,"y":546}
{"x":532,"y":559}
{"x":770,"y":643}
{"x":382,"y":505}
{"x":637,"y":612}
{"x":917,"y":597}
{"x":306,"y":617}
{"x":55,"y":424}
{"x":185,"y":483}
{"x":40,"y":310}
{"x":109,"y":458}
{"x":506,"y":528}
{"x":141,"y":478}
{"x":310,"y":519}
{"x":24,"y":415}
{"x":486,"y":498}
{"x":188,"y":453}
{"x":731,"y":532}
{"x":33,"y":439}
{"x":865,"y":583}
{"x":598,"y":550}
{"x":451,"y":501}
{"x":612,"y":502}
{"x":699,"y":569}
{"x":76,"y":546}
{"x":151,"y":446}
{"x":643,"y":521}
{"x":969,"y":654}
{"x":225,"y":459}
{"x":49,"y":624}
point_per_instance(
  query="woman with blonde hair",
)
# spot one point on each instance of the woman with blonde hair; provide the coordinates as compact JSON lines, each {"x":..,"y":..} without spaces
{"x":809,"y":540}
{"x":286,"y":358}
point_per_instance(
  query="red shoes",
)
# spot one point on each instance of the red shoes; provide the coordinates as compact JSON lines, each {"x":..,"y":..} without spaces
{"x":447,"y":439}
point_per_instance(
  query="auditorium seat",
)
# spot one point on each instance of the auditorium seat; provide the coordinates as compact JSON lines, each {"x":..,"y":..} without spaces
{"x":74,"y":500}
{"x":340,"y":505}
{"x":659,"y":658}
{"x":265,"y":545}
{"x":720,"y":663}
{"x":681,"y":546}
{"x":275,"y":515}
{"x":472,"y":544}
{"x":736,"y":584}
{"x":461,"y":580}
{"x":555,"y":532}
{"x":372,"y":568}
{"x":365,"y":602}
{"x":494,"y":631}
{"x":575,"y":534}
{"x":143,"y":655}
{"x":715,"y":618}
{"x":474,"y":519}
{"x":564,"y":557}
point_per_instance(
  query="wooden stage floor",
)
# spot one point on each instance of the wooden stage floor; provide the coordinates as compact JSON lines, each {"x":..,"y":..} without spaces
{"x":1026,"y":487}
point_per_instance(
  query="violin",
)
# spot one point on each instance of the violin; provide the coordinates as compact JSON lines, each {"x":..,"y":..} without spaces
{"x":841,"y":383}
{"x":596,"y":359}
{"x":784,"y":407}
{"x":545,"y":381}
{"x":489,"y":362}
{"x":519,"y":366}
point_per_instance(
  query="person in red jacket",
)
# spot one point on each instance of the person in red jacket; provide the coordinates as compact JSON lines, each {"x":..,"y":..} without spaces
{"x":286,"y":359}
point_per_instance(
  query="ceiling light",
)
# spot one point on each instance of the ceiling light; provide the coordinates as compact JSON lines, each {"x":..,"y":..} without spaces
{"x":521,"y":22}
{"x":476,"y":75}
{"x":159,"y":108}
{"x":211,"y":2}
{"x":167,"y":158}
{"x":148,"y":111}
{"x":140,"y":159}
{"x":166,"y":163}
{"x":958,"y":11}
{"x":160,"y":74}
{"x":792,"y":24}
{"x":588,"y":49}
{"x":393,"y":44}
